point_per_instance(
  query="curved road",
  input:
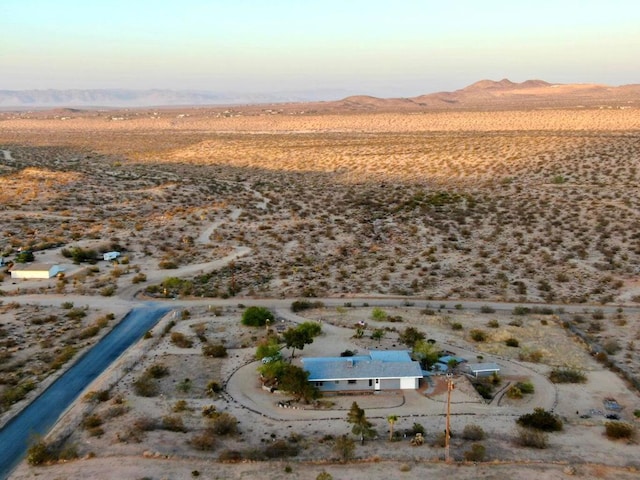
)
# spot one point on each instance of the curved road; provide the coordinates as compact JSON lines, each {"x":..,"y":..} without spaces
{"x":44,"y":411}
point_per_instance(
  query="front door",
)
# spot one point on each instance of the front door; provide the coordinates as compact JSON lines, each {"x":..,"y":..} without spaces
{"x":377,"y":384}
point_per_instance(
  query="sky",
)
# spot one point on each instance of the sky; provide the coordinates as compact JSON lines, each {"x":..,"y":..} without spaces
{"x":387,"y":48}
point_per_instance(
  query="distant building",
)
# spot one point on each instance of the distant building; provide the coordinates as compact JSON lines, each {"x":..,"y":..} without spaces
{"x":110,"y":256}
{"x":35,"y":270}
{"x":482,"y":369}
{"x":380,"y":370}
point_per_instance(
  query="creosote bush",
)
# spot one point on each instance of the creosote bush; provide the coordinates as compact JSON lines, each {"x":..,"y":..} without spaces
{"x":616,"y":430}
{"x":473,"y":432}
{"x":529,"y":437}
{"x":256,"y":316}
{"x":541,"y":419}
{"x":567,"y":375}
{"x":478,"y":335}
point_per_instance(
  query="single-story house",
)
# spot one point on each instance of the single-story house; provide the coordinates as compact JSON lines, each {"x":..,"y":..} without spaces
{"x":35,"y":270}
{"x":110,"y":256}
{"x":482,"y":369}
{"x":380,"y":370}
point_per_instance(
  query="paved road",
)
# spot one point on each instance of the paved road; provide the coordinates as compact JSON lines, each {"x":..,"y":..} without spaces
{"x":43,"y":412}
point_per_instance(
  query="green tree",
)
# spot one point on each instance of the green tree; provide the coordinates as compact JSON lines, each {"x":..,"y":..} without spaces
{"x":427,"y":353}
{"x":25,"y":257}
{"x":256,"y":316}
{"x":298,"y":337}
{"x":361,"y":426}
{"x":295,"y":381}
{"x":268,"y":347}
{"x":392,"y":419}
{"x":410,"y":336}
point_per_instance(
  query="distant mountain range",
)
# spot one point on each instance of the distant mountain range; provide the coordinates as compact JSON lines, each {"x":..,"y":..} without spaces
{"x":483,"y":94}
{"x":148,"y":98}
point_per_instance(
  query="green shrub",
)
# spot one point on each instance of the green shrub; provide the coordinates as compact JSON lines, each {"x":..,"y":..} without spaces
{"x":541,"y":419}
{"x":514,"y":392}
{"x":615,"y":430}
{"x":526,"y":387}
{"x":39,"y":453}
{"x":92,"y":421}
{"x":478,"y":335}
{"x":476,"y":454}
{"x":378,"y":314}
{"x":567,"y":375}
{"x":256,"y":316}
{"x":487,"y":309}
{"x":520,"y":310}
{"x":300,"y":305}
{"x":473,"y":432}
{"x":456,"y":326}
{"x":493,"y":324}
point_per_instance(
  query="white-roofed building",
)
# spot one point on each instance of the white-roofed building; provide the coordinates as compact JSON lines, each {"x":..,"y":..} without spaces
{"x":35,"y":270}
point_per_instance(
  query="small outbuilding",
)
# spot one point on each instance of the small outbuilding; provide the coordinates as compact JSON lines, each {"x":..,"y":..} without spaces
{"x":35,"y":270}
{"x":110,"y":256}
{"x":482,"y":369}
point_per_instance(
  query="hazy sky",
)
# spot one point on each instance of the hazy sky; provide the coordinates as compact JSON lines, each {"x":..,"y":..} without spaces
{"x":384,"y":48}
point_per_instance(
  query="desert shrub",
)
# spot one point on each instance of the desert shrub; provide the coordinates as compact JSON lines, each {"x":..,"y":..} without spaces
{"x":144,"y":424}
{"x":39,"y":453}
{"x":344,"y":447}
{"x":514,"y":392}
{"x":493,"y":324}
{"x":529,"y":437}
{"x":115,"y":411}
{"x":76,"y":313}
{"x":89,"y":332}
{"x":225,"y":424}
{"x":213,"y":387}
{"x":378,"y":314}
{"x":487,"y":309}
{"x":300,"y":305}
{"x":67,"y":305}
{"x":533,"y":356}
{"x":417,"y":428}
{"x":541,"y":419}
{"x":512,"y":342}
{"x":281,"y":449}
{"x":231,"y":456}
{"x":97,"y":396}
{"x":478,"y":335}
{"x":324,"y":476}
{"x":456,"y":326}
{"x":62,"y":357}
{"x":181,"y":340}
{"x":473,"y":432}
{"x":256,"y":316}
{"x":567,"y":375}
{"x":597,"y":314}
{"x":184,"y":386}
{"x":477,"y":453}
{"x":139,"y":278}
{"x":616,"y":430}
{"x":410,"y":335}
{"x":205,"y":441}
{"x":167,"y":265}
{"x":520,"y":310}
{"x":157,"y":370}
{"x":92,"y":421}
{"x":180,"y":406}
{"x":68,"y":452}
{"x":611,"y":346}
{"x":145,"y":386}
{"x":14,"y":394}
{"x":215,"y":351}
{"x":526,"y":387}
{"x":173,"y":423}
{"x":108,"y":291}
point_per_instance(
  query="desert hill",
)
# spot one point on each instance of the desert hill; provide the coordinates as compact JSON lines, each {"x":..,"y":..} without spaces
{"x":484,"y":94}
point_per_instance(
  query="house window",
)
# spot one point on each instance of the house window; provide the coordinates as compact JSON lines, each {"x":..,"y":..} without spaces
{"x":319,"y":384}
{"x":370,"y":383}
{"x":352,"y":382}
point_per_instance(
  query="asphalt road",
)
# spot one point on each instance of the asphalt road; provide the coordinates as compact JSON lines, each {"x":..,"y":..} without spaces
{"x":43,"y":412}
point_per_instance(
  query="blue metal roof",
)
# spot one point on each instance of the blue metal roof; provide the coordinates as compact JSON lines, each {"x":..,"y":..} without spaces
{"x":380,"y":364}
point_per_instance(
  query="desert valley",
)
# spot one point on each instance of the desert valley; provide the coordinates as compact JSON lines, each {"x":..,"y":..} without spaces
{"x":499,"y":224}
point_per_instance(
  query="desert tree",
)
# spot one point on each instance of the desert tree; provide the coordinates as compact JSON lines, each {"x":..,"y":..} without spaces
{"x":392,"y":419}
{"x":361,"y":426}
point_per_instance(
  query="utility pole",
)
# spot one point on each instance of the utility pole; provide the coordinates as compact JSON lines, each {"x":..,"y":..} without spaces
{"x":447,"y":432}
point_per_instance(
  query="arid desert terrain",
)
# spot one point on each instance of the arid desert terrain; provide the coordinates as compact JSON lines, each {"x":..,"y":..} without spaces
{"x":217,"y":208}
